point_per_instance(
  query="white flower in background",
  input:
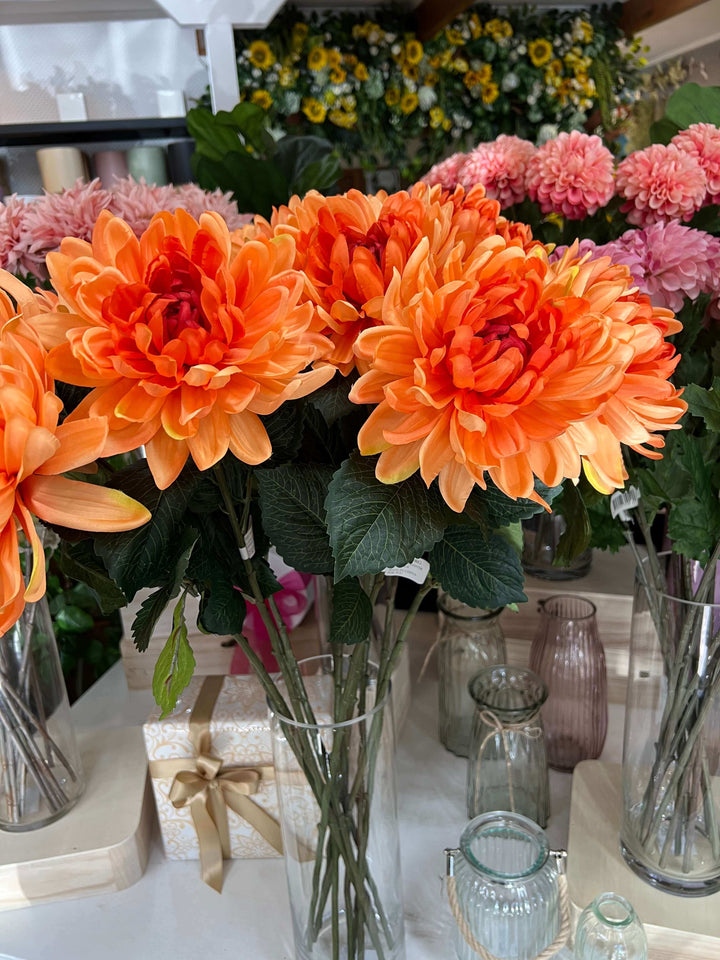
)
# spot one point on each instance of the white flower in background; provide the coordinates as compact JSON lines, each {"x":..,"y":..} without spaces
{"x":521,"y":49}
{"x":426,"y":97}
{"x":390,"y":37}
{"x":548,"y":131}
{"x":410,"y":85}
{"x":373,"y":50}
{"x":532,"y":99}
{"x":256,"y":73}
{"x":374,"y":87}
{"x":510,"y":82}
{"x":396,"y":48}
{"x":293,"y":100}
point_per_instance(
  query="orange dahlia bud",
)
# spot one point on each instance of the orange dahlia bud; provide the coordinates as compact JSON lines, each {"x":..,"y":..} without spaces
{"x":185,"y":334}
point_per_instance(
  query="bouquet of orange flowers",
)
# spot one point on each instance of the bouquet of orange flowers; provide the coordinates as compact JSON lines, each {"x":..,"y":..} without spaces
{"x":361,"y":382}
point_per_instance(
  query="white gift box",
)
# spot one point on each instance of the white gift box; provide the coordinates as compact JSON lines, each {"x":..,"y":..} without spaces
{"x":239,"y":730}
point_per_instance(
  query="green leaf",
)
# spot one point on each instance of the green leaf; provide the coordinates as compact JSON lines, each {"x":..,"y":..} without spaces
{"x":333,"y":401}
{"x":139,"y":558}
{"x":692,"y":103}
{"x":213,"y":140}
{"x":175,"y":664}
{"x":152,"y":607}
{"x":492,"y":508}
{"x":256,"y":185}
{"x":374,"y":525}
{"x":663,"y":130}
{"x":307,"y":163}
{"x":480,"y":572}
{"x":292,"y":500}
{"x":222,"y":608}
{"x":688,"y":524}
{"x":578,"y":532}
{"x":705,"y":403}
{"x":351,"y":613}
{"x":284,"y":428}
{"x":74,"y":620}
{"x":80,"y":562}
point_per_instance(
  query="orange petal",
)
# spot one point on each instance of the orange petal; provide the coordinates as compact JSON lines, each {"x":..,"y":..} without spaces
{"x":248,"y":439}
{"x":166,"y":457}
{"x":83,"y":506}
{"x":12,"y":586}
{"x":81,"y":441}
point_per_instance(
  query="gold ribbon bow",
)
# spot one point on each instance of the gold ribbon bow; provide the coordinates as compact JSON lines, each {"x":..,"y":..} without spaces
{"x":497,"y":727}
{"x":208,"y":787}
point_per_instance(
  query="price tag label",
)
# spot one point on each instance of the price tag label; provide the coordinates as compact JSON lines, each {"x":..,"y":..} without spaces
{"x":417,"y":571}
{"x":248,"y":551}
{"x":623,"y":501}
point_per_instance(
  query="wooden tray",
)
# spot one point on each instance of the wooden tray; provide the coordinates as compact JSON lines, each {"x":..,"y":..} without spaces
{"x":101,"y":845}
{"x":678,"y":928}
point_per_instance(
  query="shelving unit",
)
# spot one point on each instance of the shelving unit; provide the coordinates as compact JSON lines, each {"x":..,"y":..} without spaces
{"x":92,"y":131}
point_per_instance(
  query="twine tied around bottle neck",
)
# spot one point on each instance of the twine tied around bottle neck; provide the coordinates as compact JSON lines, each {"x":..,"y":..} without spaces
{"x":497,"y":727}
{"x":563,"y":934}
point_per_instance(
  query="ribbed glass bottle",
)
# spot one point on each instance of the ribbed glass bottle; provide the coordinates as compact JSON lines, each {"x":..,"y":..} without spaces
{"x":469,"y":639}
{"x":567,"y":653}
{"x":609,"y":929}
{"x":507,"y":887}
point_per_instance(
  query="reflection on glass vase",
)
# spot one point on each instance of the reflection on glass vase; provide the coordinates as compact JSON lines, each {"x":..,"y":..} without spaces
{"x":41,"y":772}
{"x":469,"y":638}
{"x":338,"y":808}
{"x":670,"y":832}
{"x":541,"y":536}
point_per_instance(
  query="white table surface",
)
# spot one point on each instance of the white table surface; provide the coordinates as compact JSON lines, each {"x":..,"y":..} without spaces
{"x":171,"y":915}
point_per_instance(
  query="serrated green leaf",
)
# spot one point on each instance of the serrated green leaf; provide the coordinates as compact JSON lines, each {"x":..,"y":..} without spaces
{"x":292,"y":500}
{"x":139,"y":558}
{"x":284,"y":428}
{"x":333,"y":401}
{"x":688,"y":525}
{"x":80,"y":562}
{"x":373,"y":525}
{"x":152,"y":607}
{"x":352,"y":613}
{"x":705,"y":403}
{"x":222,"y":608}
{"x":480,"y":572}
{"x":175,"y":664}
{"x":492,"y":508}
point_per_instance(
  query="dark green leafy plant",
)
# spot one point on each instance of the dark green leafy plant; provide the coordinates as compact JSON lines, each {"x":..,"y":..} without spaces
{"x":235,"y":151}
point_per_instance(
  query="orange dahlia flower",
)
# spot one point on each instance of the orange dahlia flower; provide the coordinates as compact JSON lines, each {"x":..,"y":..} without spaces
{"x":349,"y":247}
{"x":514,"y":368}
{"x":185,"y":337}
{"x":34,"y":451}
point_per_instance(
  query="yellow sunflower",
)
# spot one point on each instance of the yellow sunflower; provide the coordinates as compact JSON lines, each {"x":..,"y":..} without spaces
{"x":343,"y":118}
{"x":413,"y":51}
{"x":361,"y":72}
{"x":337,"y":75}
{"x":409,"y":102}
{"x":539,"y":51}
{"x":437,"y":116}
{"x":262,"y":98}
{"x":317,"y":59}
{"x":454,"y":37}
{"x":498,"y":29}
{"x":410,"y":71}
{"x":314,"y":110}
{"x":587,"y":31}
{"x":392,"y":96}
{"x":334,"y":58}
{"x":261,"y":56}
{"x":490,"y":93}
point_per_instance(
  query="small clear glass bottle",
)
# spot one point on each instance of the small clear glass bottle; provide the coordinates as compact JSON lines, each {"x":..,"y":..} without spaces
{"x":609,"y":929}
{"x":541,"y":536}
{"x":504,"y":889}
{"x":469,"y":638}
{"x":507,"y":768}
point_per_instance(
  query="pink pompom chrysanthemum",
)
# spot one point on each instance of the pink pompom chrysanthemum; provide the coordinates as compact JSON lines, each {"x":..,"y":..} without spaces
{"x":15,"y":240}
{"x":500,"y":166}
{"x":446,"y":172}
{"x":571,"y":175}
{"x":702,"y":141}
{"x":137,"y":202}
{"x":660,"y":183}
{"x":196,"y":201}
{"x":586,"y":245}
{"x":72,"y":213}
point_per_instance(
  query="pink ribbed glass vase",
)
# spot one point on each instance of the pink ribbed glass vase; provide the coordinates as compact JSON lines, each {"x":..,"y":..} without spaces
{"x":567,"y":653}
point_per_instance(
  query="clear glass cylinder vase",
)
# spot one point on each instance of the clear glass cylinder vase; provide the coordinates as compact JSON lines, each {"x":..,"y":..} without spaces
{"x":609,"y":929}
{"x":541,"y":537}
{"x":338,"y":808}
{"x":670,"y":832}
{"x":41,"y":774}
{"x":469,"y":638}
{"x":507,"y":768}
{"x":567,"y":653}
{"x":505,"y":889}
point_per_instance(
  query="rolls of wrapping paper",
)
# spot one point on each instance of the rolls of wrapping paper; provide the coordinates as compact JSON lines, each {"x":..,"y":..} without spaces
{"x":60,"y":167}
{"x":179,"y":157}
{"x":148,"y":163}
{"x":110,"y":164}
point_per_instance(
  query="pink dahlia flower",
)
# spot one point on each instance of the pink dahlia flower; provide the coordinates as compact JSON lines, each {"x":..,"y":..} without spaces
{"x":668,"y":261}
{"x":137,"y":203}
{"x":660,"y":183}
{"x":15,"y":240}
{"x":446,"y":172}
{"x":702,"y":141}
{"x":583,"y":246}
{"x":72,"y":213}
{"x":571,"y":175}
{"x":500,"y":166}
{"x":195,"y":200}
